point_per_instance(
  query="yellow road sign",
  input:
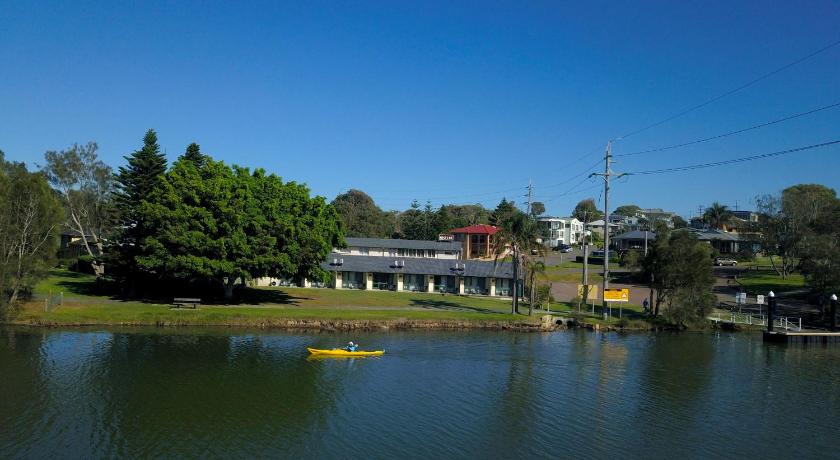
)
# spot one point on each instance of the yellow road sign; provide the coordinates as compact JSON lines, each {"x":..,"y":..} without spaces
{"x":593,"y":291}
{"x":617,"y":295}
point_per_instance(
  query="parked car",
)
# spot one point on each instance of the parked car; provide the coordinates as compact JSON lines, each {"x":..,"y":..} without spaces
{"x":597,"y":253}
{"x":721,"y":262}
{"x":563,"y":248}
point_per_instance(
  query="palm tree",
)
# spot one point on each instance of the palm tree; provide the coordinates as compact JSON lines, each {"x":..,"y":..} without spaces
{"x":534,"y":267}
{"x":518,"y":235}
{"x":717,"y":215}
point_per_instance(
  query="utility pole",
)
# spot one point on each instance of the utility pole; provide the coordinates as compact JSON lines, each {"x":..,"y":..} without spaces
{"x":585,"y":294}
{"x":607,"y":174}
{"x":530,"y":192}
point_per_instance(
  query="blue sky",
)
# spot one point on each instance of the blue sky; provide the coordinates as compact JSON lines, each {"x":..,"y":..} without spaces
{"x":457,"y":102}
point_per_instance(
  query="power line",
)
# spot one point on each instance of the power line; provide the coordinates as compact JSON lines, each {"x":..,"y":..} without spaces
{"x":731,"y":133}
{"x":734,"y":160}
{"x":732,"y":91}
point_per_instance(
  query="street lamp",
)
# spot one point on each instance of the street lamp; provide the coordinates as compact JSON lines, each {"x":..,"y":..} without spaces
{"x":833,"y":320}
{"x":771,"y":309}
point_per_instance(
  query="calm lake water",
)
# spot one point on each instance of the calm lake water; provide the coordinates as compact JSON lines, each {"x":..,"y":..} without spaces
{"x":233,"y":394}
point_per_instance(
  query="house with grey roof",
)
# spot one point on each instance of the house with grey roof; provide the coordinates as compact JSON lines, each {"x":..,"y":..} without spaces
{"x":723,"y":242}
{"x":634,"y":239}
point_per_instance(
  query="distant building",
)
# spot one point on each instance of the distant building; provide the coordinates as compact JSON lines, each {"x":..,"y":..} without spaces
{"x":562,"y":230}
{"x":477,"y":240}
{"x":72,"y":245}
{"x":598,"y":227}
{"x":746,"y":216}
{"x":634,"y":239}
{"x":723,"y":242}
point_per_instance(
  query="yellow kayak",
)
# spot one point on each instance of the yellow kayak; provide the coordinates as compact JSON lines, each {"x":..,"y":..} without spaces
{"x":342,"y":352}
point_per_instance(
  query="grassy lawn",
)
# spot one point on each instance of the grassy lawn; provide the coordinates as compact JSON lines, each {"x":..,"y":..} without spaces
{"x":259,"y":307}
{"x":764,"y":281}
{"x":571,"y":277}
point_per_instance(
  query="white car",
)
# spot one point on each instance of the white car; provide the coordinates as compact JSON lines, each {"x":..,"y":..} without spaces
{"x":726,"y":262}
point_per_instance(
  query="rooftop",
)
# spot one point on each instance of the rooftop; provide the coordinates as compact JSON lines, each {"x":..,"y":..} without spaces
{"x":403,"y":244}
{"x":635,"y":235}
{"x":477,"y":228}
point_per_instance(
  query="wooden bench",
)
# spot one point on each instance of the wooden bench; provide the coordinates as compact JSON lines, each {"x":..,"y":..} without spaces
{"x":181,"y":302}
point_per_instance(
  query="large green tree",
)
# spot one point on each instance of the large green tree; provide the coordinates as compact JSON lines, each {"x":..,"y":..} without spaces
{"x":225,"y":224}
{"x":86,"y":186}
{"x":681,"y":270}
{"x":790,"y":221}
{"x":30,"y":221}
{"x":193,"y":153}
{"x":587,"y":211}
{"x":361,"y":216}
{"x":419,"y":224}
{"x":455,"y":216}
{"x":537,"y":208}
{"x":136,"y":181}
{"x":628,"y":210}
{"x":504,"y":210}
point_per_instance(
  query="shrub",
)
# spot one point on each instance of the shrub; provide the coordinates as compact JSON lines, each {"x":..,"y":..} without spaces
{"x":84,"y":264}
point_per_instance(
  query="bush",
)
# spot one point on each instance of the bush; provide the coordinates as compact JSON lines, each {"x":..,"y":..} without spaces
{"x":745,"y":255}
{"x":84,"y":264}
{"x":544,"y":294}
{"x":632,"y":259}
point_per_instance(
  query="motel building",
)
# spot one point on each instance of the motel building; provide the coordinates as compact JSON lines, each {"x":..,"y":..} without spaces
{"x":410,"y":266}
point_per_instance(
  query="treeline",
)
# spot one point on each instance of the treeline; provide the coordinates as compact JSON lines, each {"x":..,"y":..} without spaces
{"x":151,"y":225}
{"x":31,"y":216}
{"x":363,"y":218}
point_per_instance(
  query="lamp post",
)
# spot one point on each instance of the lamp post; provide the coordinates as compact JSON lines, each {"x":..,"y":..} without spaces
{"x":833,"y":313}
{"x":771,"y":310}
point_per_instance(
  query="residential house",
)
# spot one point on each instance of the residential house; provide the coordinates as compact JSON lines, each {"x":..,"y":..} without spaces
{"x":72,"y":245}
{"x":598,"y":227}
{"x":723,"y":242}
{"x":562,"y":230}
{"x":657,"y":215}
{"x":634,"y":239}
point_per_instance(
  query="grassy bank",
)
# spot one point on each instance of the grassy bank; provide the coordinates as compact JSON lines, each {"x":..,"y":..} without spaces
{"x":764,"y":281}
{"x":81,"y":303}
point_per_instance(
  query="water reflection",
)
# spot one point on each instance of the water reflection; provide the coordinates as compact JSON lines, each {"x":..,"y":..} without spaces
{"x":187,"y":393}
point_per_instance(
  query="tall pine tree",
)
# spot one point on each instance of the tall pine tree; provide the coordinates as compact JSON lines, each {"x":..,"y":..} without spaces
{"x":194,"y":154}
{"x":135,"y":181}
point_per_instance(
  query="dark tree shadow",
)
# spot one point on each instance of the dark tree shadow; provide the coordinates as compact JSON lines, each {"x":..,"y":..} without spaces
{"x":253,"y":296}
{"x":84,"y":284}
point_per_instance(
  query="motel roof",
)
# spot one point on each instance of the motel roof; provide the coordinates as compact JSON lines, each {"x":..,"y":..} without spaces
{"x":388,"y":243}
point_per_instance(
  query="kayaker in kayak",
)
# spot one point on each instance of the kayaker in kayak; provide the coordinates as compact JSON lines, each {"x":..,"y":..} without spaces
{"x":351,"y":346}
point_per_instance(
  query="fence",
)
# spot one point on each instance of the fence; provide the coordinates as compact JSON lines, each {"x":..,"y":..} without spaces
{"x":53,"y":301}
{"x":734,"y":317}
